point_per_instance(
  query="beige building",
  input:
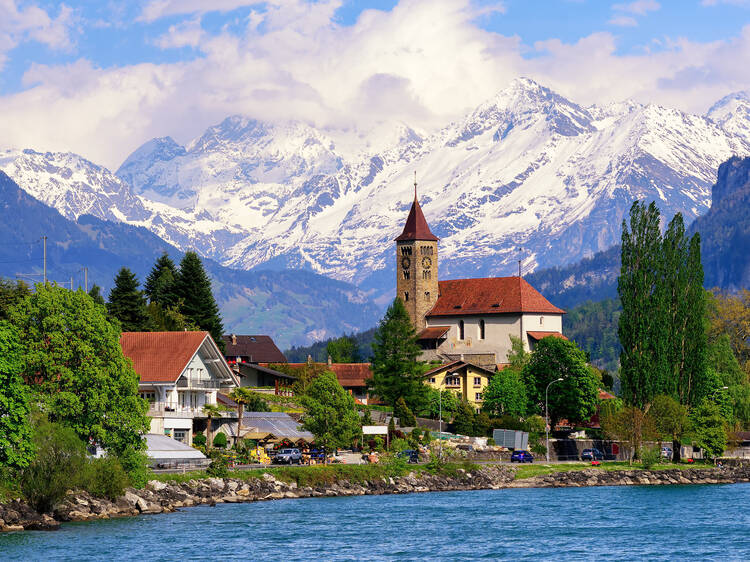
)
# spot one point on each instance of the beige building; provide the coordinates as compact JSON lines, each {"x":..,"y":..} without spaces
{"x":467,"y":320}
{"x":467,"y":380}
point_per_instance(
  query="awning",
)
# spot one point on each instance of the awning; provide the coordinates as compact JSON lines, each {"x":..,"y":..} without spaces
{"x":433,"y":332}
{"x":541,"y":335}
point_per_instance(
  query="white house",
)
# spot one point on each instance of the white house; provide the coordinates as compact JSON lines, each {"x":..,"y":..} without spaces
{"x":179,"y":372}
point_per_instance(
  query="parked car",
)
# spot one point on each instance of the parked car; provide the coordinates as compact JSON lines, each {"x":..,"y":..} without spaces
{"x":521,"y":456}
{"x":288,"y":456}
{"x":410,"y":455}
{"x":666,"y":452}
{"x":592,"y":455}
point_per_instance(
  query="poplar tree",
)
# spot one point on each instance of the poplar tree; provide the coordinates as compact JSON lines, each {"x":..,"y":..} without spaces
{"x":197,"y":303}
{"x":127,"y":303}
{"x":160,"y":283}
{"x":396,"y":372}
{"x":641,"y":328}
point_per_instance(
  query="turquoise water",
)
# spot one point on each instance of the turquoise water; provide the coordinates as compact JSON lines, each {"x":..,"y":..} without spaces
{"x":616,"y":523}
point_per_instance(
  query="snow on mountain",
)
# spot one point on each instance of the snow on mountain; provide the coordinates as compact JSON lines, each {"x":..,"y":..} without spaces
{"x":527,"y":174}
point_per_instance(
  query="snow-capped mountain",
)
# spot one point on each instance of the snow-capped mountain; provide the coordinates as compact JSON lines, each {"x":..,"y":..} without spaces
{"x":527,"y":174}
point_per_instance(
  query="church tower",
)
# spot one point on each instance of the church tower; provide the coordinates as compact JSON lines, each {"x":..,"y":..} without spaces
{"x":417,"y":266}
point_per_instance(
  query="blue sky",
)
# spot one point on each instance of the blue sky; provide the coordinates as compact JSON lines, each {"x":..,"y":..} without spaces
{"x":121,"y":72}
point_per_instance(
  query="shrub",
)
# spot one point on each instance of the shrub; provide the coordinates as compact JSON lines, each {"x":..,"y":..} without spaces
{"x":377,"y":443}
{"x":650,"y":456}
{"x":199,"y":440}
{"x":218,"y":467}
{"x":415,"y":438}
{"x":491,"y":442}
{"x":106,"y":478}
{"x":220,"y":441}
{"x":136,"y":465}
{"x":57,"y":468}
{"x":404,"y":414}
{"x":539,"y":448}
{"x":398,"y":445}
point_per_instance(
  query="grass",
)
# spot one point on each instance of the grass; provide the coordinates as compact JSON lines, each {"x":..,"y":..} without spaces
{"x":531,"y":470}
{"x":322,"y":475}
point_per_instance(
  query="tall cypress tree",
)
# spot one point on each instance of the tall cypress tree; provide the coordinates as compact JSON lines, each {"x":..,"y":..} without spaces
{"x":641,"y":328}
{"x":193,"y":289}
{"x":127,"y":303}
{"x":693,"y":366}
{"x":396,"y":372}
{"x":160,"y":283}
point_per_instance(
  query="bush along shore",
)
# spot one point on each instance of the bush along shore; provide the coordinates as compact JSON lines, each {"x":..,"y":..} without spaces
{"x":173,"y":492}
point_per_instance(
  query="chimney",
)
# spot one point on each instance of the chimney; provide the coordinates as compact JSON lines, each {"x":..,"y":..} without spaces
{"x":234,"y":339}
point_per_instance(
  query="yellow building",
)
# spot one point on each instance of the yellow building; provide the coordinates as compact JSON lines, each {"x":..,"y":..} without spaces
{"x":467,"y":380}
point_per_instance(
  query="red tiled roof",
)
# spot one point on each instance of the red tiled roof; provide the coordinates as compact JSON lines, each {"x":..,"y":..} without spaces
{"x":160,"y":356}
{"x":259,"y":349}
{"x":433,"y":332}
{"x":491,"y":295}
{"x":348,"y":374}
{"x":455,"y":365}
{"x":501,"y":366}
{"x":539,"y":335}
{"x":604,"y":395}
{"x":416,"y":227}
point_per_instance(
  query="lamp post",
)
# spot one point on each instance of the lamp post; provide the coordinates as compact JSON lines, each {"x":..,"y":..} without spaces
{"x":546,"y":412}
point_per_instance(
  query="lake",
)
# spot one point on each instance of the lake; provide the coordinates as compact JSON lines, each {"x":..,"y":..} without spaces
{"x":616,"y":523}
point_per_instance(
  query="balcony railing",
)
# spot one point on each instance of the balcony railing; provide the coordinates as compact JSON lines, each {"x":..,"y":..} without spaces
{"x":212,"y":384}
{"x":166,"y":410}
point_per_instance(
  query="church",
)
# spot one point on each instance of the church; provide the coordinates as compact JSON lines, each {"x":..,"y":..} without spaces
{"x":466,"y":321}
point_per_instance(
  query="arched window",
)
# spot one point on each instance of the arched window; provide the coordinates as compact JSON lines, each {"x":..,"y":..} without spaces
{"x":406,"y":296}
{"x":481,"y":329}
{"x":460,"y":329}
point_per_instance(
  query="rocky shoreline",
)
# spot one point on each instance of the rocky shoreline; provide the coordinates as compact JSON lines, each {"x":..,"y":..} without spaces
{"x":159,"y":497}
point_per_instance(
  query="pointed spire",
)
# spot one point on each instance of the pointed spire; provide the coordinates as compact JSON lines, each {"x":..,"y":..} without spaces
{"x":416,"y":227}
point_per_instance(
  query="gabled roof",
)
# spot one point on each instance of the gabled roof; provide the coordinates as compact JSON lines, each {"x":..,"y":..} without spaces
{"x":348,"y":374}
{"x":540,"y":335}
{"x":491,"y":295}
{"x":604,"y":395}
{"x":260,"y":349}
{"x":416,"y":227}
{"x":161,"y":356}
{"x":433,"y":332}
{"x":456,"y":365}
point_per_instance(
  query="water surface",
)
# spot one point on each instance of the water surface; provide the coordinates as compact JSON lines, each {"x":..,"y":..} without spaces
{"x":614,"y":523}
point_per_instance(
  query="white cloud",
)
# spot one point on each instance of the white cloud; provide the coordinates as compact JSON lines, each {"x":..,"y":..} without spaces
{"x":731,"y":2}
{"x":157,"y":9}
{"x":20,"y":23}
{"x":424,"y":63}
{"x":623,"y":21}
{"x":639,"y":7}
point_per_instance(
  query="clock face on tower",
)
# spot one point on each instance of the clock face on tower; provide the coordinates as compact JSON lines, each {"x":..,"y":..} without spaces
{"x":405,"y":263}
{"x":426,"y":262}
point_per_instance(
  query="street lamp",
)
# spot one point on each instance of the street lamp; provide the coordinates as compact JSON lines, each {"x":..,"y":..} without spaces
{"x":546,"y":412}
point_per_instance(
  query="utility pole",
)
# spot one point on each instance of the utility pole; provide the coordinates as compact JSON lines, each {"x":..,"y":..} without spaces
{"x":44,"y":243}
{"x":71,"y":282}
{"x":86,"y":279}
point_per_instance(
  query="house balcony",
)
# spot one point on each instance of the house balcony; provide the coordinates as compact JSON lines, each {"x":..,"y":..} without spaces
{"x":167,"y":410}
{"x":184,"y":384}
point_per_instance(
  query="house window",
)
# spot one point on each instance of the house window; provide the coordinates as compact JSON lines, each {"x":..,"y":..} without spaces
{"x":426,"y":274}
{"x":481,"y":329}
{"x":406,"y":273}
{"x":477,"y":381}
{"x":427,"y":295}
{"x":405,"y":250}
{"x":541,"y":320}
{"x":478,"y":396}
{"x":150,"y":396}
{"x":406,"y":296}
{"x":180,"y":435}
{"x":453,"y":381}
{"x":460,"y":329}
{"x":432,"y":380}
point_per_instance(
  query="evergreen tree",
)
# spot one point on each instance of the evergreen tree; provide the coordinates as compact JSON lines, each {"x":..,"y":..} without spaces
{"x":641,"y":326}
{"x":404,"y":414}
{"x":127,"y":303}
{"x":160,"y":283}
{"x":343,"y":350}
{"x":193,"y":289}
{"x":396,"y":370}
{"x":96,"y":293}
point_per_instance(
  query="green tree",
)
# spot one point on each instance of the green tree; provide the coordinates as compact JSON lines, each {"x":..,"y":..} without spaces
{"x":343,"y":350}
{"x":629,"y":425}
{"x":396,"y":370}
{"x":220,"y":441}
{"x":212,"y":411}
{"x":641,"y":328}
{"x":722,"y":360}
{"x":404,"y":414}
{"x":95,"y":292}
{"x":160,"y":283}
{"x":437,"y":401}
{"x":518,"y":357}
{"x":482,"y":424}
{"x":505,"y":394}
{"x":11,"y":293}
{"x":193,"y":289}
{"x":331,"y":414}
{"x":463,"y":420}
{"x":168,"y":319}
{"x":576,"y":396}
{"x":72,"y":359}
{"x":709,"y":429}
{"x":670,"y":419}
{"x":127,"y":303}
{"x":16,"y":450}
{"x":729,"y":314}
